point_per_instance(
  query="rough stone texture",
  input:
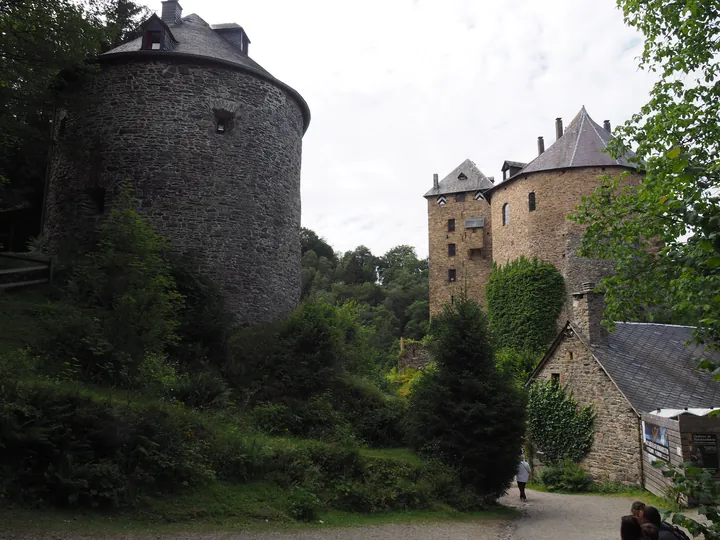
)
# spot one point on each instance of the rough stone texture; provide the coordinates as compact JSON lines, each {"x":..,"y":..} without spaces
{"x":414,"y":355}
{"x":230,"y":202}
{"x":587,"y":309}
{"x":546,"y":233}
{"x":472,"y":274}
{"x":615,"y":452}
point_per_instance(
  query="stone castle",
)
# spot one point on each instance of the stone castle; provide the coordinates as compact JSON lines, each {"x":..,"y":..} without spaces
{"x":474,"y":222}
{"x":212,"y":145}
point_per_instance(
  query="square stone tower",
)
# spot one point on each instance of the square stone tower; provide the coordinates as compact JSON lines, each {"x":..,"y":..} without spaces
{"x":459,"y":228}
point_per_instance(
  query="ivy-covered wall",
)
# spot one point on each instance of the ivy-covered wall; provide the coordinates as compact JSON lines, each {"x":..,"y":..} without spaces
{"x":615,"y":452}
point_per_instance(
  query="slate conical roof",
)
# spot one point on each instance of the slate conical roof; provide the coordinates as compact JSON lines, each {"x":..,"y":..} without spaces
{"x":582,"y":145}
{"x":195,"y":39}
{"x":465,"y":177}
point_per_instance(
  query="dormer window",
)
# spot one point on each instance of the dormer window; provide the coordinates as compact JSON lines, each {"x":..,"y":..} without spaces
{"x":153,"y":40}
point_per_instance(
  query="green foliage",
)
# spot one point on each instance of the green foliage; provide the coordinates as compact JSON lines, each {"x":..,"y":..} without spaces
{"x":556,"y":425}
{"x":405,"y":380}
{"x":517,"y":364}
{"x":122,"y":301}
{"x":565,"y":475}
{"x":524,"y":299}
{"x":465,"y":411}
{"x":701,"y":486}
{"x":663,"y":233}
{"x":304,"y":505}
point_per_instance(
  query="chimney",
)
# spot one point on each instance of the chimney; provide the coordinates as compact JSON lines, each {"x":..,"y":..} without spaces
{"x":541,"y":145}
{"x":171,"y":12}
{"x":606,"y":125}
{"x":558,"y":128}
{"x":436,"y":184}
{"x":587,"y":308}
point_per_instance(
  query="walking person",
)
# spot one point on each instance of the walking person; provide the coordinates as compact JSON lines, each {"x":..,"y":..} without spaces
{"x":522,"y":477}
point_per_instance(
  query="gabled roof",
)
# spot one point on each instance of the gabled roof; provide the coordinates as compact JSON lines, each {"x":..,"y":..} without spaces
{"x":652,"y":365}
{"x":514,"y":164}
{"x":195,"y":38}
{"x":582,"y":145}
{"x":474,"y":180}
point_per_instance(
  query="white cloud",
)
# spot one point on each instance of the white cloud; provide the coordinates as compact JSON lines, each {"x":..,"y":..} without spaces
{"x":399,"y":90}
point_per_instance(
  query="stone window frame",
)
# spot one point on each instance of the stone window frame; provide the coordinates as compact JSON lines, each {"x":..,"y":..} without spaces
{"x":224,"y":121}
{"x":451,"y":250}
{"x":531,"y":202}
{"x":452,"y":275}
{"x":451,"y":225}
{"x":506,"y":213}
{"x":459,"y":197}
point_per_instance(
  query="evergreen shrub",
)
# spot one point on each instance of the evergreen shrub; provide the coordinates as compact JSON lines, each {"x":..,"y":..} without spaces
{"x":466,"y":412}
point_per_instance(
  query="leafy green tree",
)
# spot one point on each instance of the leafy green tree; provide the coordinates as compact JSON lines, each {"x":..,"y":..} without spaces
{"x":556,"y":424}
{"x":310,"y":241}
{"x":127,"y":295}
{"x":467,"y":412}
{"x":42,"y":43}
{"x":358,"y":266}
{"x":663,"y":234}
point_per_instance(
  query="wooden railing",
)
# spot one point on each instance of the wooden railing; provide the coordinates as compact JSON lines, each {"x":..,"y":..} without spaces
{"x":23,"y":275}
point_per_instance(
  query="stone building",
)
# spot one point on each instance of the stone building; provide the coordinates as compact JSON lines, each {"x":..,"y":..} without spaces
{"x":473,"y":221}
{"x":637,"y":369}
{"x":212,"y":145}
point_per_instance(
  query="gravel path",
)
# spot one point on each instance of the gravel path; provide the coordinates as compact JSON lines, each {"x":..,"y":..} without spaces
{"x":549,"y":516}
{"x":546,"y":516}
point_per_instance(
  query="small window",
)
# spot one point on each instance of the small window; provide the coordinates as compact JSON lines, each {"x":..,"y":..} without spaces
{"x":475,"y":254}
{"x":462,"y":176}
{"x":153,"y":40}
{"x":531,"y":201}
{"x":452,"y":276}
{"x":555,"y":378}
{"x":506,"y":214}
{"x":460,"y":197}
{"x":97,"y":197}
{"x":451,"y":250}
{"x":223,"y":121}
{"x":452,"y":299}
{"x":451,"y":225}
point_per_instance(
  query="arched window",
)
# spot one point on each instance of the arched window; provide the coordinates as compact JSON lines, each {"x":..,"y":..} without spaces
{"x":506,"y":213}
{"x":531,"y":201}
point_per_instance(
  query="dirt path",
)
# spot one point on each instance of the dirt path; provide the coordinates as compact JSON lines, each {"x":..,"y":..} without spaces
{"x":549,"y":516}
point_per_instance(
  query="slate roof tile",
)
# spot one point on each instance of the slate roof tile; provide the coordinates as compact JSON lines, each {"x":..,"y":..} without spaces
{"x":474,"y":180}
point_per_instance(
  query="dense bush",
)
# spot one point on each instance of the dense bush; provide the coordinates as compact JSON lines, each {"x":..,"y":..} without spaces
{"x":465,"y":411}
{"x":556,"y":425}
{"x":122,"y":302}
{"x":565,"y":476}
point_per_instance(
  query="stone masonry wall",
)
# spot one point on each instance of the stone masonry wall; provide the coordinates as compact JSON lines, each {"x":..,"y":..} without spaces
{"x":414,"y":355}
{"x":615,"y":452}
{"x":472,"y":275}
{"x":230,"y":202}
{"x":546,"y":233}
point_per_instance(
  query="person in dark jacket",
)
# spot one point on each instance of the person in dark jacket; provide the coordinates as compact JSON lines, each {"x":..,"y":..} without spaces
{"x":630,"y":528}
{"x":665,"y":531}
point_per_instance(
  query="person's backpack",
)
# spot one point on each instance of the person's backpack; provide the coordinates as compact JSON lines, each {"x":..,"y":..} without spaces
{"x":677,"y":531}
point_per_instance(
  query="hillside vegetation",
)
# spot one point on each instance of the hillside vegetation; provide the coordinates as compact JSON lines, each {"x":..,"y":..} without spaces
{"x":126,"y":390}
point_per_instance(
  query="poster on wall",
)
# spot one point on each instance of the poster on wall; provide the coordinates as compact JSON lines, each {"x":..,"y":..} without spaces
{"x":703,"y":450}
{"x":656,"y":441}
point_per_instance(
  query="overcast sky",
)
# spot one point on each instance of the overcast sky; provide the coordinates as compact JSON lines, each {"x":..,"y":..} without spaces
{"x":401,"y":89}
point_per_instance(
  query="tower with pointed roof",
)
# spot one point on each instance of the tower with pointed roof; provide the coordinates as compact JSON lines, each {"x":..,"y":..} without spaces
{"x":212,"y":144}
{"x":524,"y":214}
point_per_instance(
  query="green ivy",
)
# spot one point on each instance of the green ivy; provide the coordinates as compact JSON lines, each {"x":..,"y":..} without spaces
{"x":556,"y":424}
{"x":524,"y":299}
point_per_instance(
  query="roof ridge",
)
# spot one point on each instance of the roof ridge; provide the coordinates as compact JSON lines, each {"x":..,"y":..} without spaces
{"x":603,"y":141}
{"x":583,"y":114}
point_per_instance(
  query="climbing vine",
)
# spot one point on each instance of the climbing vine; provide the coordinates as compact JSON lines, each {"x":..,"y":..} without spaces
{"x":524,"y":299}
{"x":556,"y":425}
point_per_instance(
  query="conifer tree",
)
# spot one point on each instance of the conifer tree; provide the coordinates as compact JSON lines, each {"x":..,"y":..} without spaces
{"x":465,"y":411}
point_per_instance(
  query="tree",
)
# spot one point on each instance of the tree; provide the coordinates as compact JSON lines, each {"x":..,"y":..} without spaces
{"x":664,"y":234}
{"x":465,"y":411}
{"x":42,"y":43}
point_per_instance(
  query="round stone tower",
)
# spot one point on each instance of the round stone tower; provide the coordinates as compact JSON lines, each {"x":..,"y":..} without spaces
{"x":211,"y":143}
